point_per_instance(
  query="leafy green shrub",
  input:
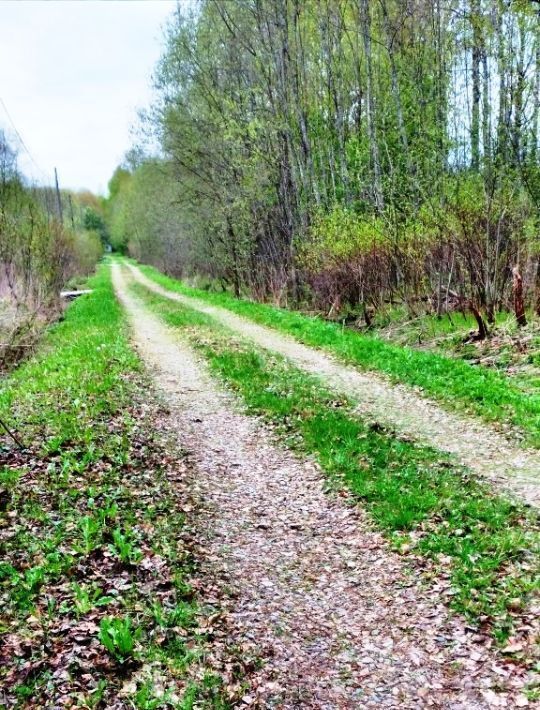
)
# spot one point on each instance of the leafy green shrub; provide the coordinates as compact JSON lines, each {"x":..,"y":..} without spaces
{"x":87,"y":250}
{"x":125,"y":548}
{"x":119,"y":637}
{"x":86,"y":598}
{"x":90,"y":529}
{"x":341,"y":235}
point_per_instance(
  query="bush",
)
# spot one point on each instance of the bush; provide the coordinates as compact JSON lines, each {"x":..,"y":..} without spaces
{"x":446,"y":254}
{"x":87,"y":251}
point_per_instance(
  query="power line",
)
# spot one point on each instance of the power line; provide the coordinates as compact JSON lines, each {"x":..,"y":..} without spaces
{"x":21,"y":141}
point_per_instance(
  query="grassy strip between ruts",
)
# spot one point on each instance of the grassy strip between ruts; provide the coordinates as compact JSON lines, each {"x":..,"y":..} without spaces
{"x":457,"y":384}
{"x":96,"y":609}
{"x":483,"y":549}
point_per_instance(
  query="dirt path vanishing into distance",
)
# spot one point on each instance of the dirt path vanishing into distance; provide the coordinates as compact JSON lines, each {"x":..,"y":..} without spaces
{"x":512,"y":469}
{"x":338,"y":620}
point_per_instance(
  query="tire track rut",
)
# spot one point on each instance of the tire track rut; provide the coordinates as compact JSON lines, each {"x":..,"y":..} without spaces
{"x":509,"y":467}
{"x":338,"y":620}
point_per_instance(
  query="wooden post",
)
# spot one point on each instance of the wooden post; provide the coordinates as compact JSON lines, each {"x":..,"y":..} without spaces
{"x":71,"y":212}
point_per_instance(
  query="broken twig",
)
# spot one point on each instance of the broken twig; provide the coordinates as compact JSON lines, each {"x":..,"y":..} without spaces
{"x":12,"y":435}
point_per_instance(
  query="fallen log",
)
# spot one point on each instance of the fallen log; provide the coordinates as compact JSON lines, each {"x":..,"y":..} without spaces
{"x":70,"y":295}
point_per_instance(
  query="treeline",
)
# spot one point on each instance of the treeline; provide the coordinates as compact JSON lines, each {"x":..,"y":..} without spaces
{"x":46,"y":237}
{"x":345,"y":153}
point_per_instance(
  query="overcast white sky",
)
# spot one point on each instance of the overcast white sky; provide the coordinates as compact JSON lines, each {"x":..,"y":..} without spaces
{"x":72,"y":76}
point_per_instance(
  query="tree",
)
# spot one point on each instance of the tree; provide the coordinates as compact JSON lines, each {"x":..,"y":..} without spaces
{"x":94,"y":222}
{"x":345,"y":151}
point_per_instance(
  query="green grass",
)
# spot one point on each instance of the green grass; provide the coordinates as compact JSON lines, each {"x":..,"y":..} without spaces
{"x":512,"y":351}
{"x":456,"y":383}
{"x":93,"y":570}
{"x":427,"y":505}
{"x":397,"y":326}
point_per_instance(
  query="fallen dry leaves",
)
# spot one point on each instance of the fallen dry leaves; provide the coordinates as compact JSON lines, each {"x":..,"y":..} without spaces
{"x":50,"y":653}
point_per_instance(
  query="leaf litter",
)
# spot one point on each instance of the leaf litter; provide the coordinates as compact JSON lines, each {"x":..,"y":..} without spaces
{"x":96,"y":609}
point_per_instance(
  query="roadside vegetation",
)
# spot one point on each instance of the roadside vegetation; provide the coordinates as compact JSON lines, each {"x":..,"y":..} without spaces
{"x":47,"y":240}
{"x":96,"y":606}
{"x":479,"y":550}
{"x":511,"y":350}
{"x":454,"y":382}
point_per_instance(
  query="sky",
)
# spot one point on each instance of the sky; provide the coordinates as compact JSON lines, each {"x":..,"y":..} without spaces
{"x":73,"y":74}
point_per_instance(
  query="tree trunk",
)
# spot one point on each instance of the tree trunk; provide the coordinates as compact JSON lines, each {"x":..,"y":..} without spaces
{"x":476,"y":56}
{"x":486,"y":115}
{"x":502,"y":69}
{"x":234,"y":255}
{"x":482,"y":328}
{"x":365,"y":18}
{"x":536,"y":101}
{"x":519,"y":303}
{"x":517,"y":129}
{"x":396,"y":93}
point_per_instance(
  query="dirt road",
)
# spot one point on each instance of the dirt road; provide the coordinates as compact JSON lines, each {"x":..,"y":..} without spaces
{"x":475,"y":444}
{"x":338,"y":620}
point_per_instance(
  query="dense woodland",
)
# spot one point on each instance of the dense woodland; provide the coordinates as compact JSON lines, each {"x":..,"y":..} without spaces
{"x":345,"y":154}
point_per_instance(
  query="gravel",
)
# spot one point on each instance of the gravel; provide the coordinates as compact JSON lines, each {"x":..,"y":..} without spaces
{"x":511,"y":468}
{"x":337,"y":619}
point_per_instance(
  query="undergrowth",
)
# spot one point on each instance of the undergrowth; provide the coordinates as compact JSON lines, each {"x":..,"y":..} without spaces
{"x":96,"y":610}
{"x":511,"y":350}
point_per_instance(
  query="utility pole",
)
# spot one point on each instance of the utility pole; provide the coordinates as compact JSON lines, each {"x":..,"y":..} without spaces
{"x":58,"y":198}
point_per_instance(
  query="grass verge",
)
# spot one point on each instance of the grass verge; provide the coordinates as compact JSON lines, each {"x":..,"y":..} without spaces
{"x":457,"y":384}
{"x":96,"y":607}
{"x":482,"y":548}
